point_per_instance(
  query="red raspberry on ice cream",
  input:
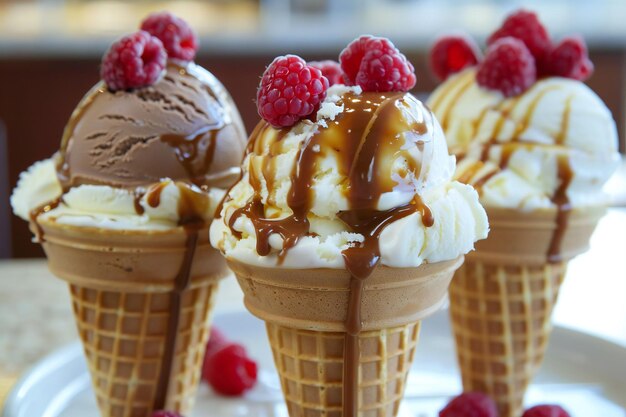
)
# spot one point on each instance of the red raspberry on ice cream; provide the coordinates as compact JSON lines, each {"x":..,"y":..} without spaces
{"x":178,"y":38}
{"x":508,"y":67}
{"x":290,"y":90}
{"x":136,"y":60}
{"x":453,"y":53}
{"x":375,"y":64}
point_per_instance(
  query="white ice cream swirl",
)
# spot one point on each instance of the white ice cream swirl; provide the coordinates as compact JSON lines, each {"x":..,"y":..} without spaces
{"x":556,"y":141}
{"x":372,"y":153}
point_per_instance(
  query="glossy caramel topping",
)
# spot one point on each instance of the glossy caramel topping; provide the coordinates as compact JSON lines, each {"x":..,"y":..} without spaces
{"x":365,"y":139}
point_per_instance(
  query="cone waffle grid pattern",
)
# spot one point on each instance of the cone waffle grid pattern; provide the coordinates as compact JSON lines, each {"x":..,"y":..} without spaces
{"x":501,"y":322}
{"x":124,"y":336}
{"x":310,"y":365}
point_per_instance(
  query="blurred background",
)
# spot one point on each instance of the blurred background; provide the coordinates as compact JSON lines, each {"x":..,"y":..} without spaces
{"x":50,"y":52}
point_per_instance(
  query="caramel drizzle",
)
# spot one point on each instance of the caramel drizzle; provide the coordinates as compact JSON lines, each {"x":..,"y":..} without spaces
{"x":462,"y":84}
{"x":138,"y":194}
{"x":181,"y":283}
{"x":507,"y":149}
{"x":364,"y":136}
{"x":187,"y":147}
{"x":34,"y":215}
{"x":560,"y":199}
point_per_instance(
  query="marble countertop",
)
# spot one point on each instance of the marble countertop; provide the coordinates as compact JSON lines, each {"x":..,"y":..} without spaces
{"x":36,"y":316}
{"x":36,"y":313}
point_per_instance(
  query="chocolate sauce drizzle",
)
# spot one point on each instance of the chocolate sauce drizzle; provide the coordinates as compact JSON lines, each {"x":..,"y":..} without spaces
{"x":182,"y":281}
{"x":187,"y":148}
{"x":34,"y":214}
{"x":365,"y":138}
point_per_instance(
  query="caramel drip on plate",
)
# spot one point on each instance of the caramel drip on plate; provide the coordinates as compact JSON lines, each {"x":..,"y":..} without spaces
{"x":364,"y":139}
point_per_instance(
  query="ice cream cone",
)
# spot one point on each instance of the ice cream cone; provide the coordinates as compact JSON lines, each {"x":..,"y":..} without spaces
{"x":305,"y":313}
{"x":142,"y":302}
{"x":502,"y":298}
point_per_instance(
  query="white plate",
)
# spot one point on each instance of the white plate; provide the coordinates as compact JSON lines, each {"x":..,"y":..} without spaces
{"x":585,"y":374}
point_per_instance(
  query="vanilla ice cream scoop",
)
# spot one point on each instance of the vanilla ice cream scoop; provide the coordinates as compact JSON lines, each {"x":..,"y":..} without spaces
{"x":371,"y":171}
{"x":553,"y":144}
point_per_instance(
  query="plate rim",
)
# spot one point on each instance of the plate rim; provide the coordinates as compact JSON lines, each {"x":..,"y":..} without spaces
{"x":69,"y":353}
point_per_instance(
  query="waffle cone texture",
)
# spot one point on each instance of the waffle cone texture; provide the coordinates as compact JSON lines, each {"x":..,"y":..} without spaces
{"x":125,"y":297}
{"x":502,"y":298}
{"x":305,"y":313}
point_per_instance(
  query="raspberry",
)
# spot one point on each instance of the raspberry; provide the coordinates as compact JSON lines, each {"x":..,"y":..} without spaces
{"x":452,"y":53}
{"x":289,"y":91}
{"x":136,"y":60}
{"x":165,"y":414}
{"x":217,"y":340}
{"x":569,"y":59}
{"x":508,"y":67}
{"x":229,"y":371}
{"x":330,"y":69}
{"x":179,"y":39}
{"x":525,"y":26}
{"x":352,"y":55}
{"x":470,"y":404}
{"x":546,"y":411}
{"x":375,"y":64}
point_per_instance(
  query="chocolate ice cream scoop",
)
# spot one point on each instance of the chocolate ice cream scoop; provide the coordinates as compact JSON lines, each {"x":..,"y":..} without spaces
{"x":173,"y":129}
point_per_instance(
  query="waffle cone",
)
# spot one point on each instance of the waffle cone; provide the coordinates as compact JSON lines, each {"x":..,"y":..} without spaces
{"x":502,"y":298}
{"x":126,"y":297}
{"x":305,"y":313}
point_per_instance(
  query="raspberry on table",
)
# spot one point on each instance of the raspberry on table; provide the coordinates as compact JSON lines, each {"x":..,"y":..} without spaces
{"x":290,"y":90}
{"x":136,"y":60}
{"x":525,"y":26}
{"x":179,"y":40}
{"x":217,"y":340}
{"x":508,"y":67}
{"x":546,"y":410}
{"x":163,"y":413}
{"x":470,"y":404}
{"x":230,"y":371}
{"x":375,"y":64}
{"x":453,"y":53}
{"x":570,"y":59}
{"x":330,"y":69}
